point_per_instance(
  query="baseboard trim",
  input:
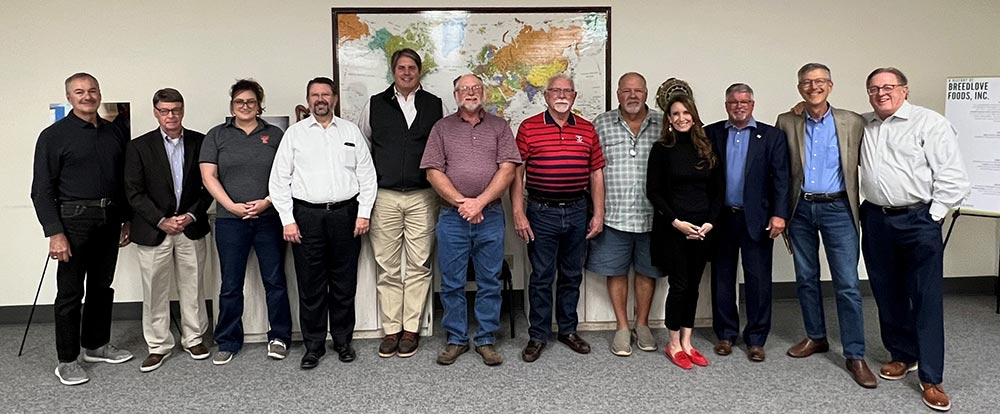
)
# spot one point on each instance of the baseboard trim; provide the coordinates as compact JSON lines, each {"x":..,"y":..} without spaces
{"x":967,"y":285}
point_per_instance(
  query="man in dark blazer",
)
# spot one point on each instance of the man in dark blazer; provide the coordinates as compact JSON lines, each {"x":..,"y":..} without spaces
{"x":755,"y":164}
{"x":823,"y":144}
{"x":163,"y":185}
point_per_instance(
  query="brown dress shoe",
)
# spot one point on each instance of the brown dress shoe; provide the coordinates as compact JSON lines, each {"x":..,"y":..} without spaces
{"x":389,"y":345}
{"x":756,"y":353}
{"x":896,"y":370}
{"x":935,"y":397}
{"x":408,"y":344}
{"x":861,"y":373}
{"x":723,"y":348}
{"x":532,"y":351}
{"x":198,"y":352}
{"x":152,"y":362}
{"x":808,"y":347}
{"x":576,"y":343}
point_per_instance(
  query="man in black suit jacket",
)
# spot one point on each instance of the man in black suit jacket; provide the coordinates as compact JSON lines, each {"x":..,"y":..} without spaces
{"x":755,"y":163}
{"x":163,"y":185}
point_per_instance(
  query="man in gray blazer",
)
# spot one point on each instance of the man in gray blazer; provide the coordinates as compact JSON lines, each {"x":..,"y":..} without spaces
{"x":823,"y":146}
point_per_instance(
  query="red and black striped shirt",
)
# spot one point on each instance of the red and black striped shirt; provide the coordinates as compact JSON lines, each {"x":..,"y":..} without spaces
{"x":558,"y":161}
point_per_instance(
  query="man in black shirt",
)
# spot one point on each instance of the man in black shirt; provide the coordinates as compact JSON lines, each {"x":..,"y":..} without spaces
{"x":79,"y":197}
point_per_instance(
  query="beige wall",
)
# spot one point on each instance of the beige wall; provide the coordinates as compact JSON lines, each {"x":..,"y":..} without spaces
{"x":134,"y":48}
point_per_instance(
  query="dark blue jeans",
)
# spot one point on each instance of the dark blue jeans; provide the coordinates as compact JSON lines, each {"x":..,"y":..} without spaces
{"x":559,"y":248}
{"x":234,"y":237}
{"x":835,"y":223}
{"x":904,"y":256}
{"x":457,"y":241}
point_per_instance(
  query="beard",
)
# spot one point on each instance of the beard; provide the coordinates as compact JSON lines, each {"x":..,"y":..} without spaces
{"x":321,"y":110}
{"x":472,"y":107}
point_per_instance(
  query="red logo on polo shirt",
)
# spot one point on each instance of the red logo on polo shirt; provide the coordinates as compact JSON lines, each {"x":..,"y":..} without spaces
{"x":264,"y":139}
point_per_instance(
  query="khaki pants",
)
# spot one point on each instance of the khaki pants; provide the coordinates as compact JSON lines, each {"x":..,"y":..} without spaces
{"x":398,"y":219}
{"x":183,"y":260}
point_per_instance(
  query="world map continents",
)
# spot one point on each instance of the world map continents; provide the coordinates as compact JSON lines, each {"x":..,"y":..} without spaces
{"x":514,"y":54}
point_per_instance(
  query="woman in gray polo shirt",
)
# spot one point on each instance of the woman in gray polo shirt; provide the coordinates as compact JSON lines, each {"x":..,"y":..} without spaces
{"x":235,"y":163}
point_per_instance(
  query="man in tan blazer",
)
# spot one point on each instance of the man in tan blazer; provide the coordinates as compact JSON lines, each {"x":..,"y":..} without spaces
{"x":823,"y":146}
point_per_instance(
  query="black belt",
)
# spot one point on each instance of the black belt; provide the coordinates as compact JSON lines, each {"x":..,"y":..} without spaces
{"x":824,"y":197}
{"x":99,"y":203}
{"x":895,"y":210}
{"x":734,"y":209}
{"x":325,"y":206}
{"x":547,"y":202}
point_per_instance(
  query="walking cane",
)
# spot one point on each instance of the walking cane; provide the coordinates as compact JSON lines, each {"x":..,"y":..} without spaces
{"x":33,"y":304}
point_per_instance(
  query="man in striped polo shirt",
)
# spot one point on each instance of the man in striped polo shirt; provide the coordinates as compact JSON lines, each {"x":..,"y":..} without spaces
{"x":562,"y":160}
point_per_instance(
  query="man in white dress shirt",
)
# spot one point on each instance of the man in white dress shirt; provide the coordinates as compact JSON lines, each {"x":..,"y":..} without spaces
{"x":911,"y":175}
{"x":323,"y":186}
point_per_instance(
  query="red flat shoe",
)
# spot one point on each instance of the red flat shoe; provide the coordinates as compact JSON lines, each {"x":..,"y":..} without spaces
{"x":697,"y":358}
{"x":679,"y":358}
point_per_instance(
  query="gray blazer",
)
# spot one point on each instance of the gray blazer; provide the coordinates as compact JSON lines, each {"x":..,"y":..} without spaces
{"x":850,"y":128}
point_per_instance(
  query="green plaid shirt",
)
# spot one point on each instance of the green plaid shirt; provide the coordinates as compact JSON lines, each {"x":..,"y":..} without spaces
{"x":626,"y":207}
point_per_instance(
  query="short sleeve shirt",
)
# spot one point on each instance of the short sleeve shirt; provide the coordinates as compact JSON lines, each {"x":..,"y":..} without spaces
{"x":244,"y":160}
{"x":470,"y":154}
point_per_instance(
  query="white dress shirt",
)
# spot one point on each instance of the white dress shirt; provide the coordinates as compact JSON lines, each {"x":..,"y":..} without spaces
{"x":912,"y":157}
{"x":322,"y":165}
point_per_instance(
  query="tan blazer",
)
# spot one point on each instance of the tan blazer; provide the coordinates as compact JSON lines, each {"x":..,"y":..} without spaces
{"x":850,"y":128}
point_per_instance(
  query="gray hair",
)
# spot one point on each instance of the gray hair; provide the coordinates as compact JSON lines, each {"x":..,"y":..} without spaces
{"x":808,"y":67}
{"x":81,"y":75}
{"x":739,"y":88}
{"x":635,"y":74}
{"x":558,"y":76}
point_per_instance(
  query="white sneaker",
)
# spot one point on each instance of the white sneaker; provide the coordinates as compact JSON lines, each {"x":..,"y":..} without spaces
{"x":276,"y":349}
{"x":71,"y":373}
{"x":222,"y":357}
{"x":107,"y":353}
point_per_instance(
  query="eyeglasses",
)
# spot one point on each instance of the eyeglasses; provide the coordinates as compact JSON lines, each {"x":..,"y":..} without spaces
{"x":814,"y":82}
{"x":560,"y":91}
{"x":466,"y":89}
{"x":739,"y":103}
{"x":165,"y":112}
{"x":249,"y":103}
{"x":888,"y":88}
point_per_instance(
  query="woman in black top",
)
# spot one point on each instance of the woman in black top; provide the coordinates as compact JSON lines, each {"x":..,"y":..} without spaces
{"x":684,"y":183}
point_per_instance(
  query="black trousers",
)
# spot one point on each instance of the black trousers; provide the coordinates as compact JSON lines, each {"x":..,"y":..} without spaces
{"x":904,"y":256}
{"x":93,"y":239}
{"x":326,"y":267}
{"x":732,"y":240}
{"x":684,"y":279}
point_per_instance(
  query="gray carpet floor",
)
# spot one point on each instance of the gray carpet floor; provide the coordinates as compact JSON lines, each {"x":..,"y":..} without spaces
{"x":561,"y":381}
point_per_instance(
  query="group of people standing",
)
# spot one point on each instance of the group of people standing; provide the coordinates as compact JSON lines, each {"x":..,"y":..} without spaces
{"x":638,"y":190}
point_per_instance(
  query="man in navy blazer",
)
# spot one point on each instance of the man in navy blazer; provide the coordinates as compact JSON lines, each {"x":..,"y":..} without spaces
{"x":755,"y":163}
{"x":163,"y":185}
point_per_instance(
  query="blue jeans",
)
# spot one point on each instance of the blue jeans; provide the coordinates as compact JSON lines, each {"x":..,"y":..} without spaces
{"x":457,"y":241}
{"x":560,"y":245}
{"x":834,"y":222}
{"x":234,"y":237}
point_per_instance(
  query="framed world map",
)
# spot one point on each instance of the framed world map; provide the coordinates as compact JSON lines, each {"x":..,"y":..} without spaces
{"x":513,"y":50}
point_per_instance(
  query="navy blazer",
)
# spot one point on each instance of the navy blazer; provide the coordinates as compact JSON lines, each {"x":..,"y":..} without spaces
{"x":765,"y":185}
{"x":150,"y":188}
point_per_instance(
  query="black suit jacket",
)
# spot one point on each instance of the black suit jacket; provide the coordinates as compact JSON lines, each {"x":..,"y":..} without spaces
{"x":765,"y":182}
{"x":150,"y":188}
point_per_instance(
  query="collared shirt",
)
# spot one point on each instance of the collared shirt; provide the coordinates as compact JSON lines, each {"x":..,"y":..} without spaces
{"x":822,"y":172}
{"x":75,"y":160}
{"x":175,"y":156}
{"x":470,"y":154}
{"x":558,"y":159}
{"x":322,"y":165}
{"x":912,"y":157}
{"x":626,"y":207}
{"x":244,"y":160}
{"x":407,"y":103}
{"x":737,"y":142}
